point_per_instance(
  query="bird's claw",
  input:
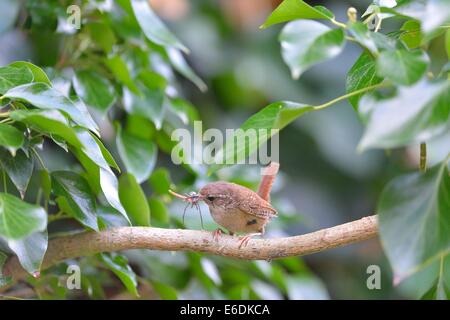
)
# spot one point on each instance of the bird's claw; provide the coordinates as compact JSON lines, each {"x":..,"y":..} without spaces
{"x":243,"y":241}
{"x":216,"y":234}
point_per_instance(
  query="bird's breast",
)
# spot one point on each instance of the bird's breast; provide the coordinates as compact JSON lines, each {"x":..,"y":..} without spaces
{"x":236,"y":220}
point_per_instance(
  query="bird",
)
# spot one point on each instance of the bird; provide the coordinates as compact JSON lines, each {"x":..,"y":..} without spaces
{"x":236,"y":208}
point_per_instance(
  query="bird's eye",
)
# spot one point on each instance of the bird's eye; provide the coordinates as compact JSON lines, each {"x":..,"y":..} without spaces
{"x":210,"y":198}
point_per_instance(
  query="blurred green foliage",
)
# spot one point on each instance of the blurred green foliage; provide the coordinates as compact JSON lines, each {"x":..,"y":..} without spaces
{"x":117,"y":88}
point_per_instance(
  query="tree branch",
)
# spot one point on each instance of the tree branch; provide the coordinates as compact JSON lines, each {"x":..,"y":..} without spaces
{"x":124,"y":238}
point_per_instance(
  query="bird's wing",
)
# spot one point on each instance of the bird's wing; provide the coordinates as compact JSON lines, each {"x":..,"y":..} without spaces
{"x":258,"y":210}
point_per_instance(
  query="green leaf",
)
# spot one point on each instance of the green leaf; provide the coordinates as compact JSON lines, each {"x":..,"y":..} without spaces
{"x":362,"y":35}
{"x":19,"y":169}
{"x":42,"y":96}
{"x":11,"y":77}
{"x":431,"y":14}
{"x":133,"y":199}
{"x":414,"y":216}
{"x":153,"y":27}
{"x":151,"y":103}
{"x":160,"y":181}
{"x":91,"y":148}
{"x":158,"y":210}
{"x":46,"y":182}
{"x":416,"y":114}
{"x":118,"y":264}
{"x":120,"y":71}
{"x":38,"y":74}
{"x":10,"y":137}
{"x":138,"y":154}
{"x":47,"y":121}
{"x":76,"y":197}
{"x":411,"y":36}
{"x":19,"y":219}
{"x":270,"y":120}
{"x":100,"y":176}
{"x":31,"y":251}
{"x":402,"y":66}
{"x":361,"y":75}
{"x":102,"y":35}
{"x":110,"y":186}
{"x":106,"y":154}
{"x":185,"y":111}
{"x":180,"y":64}
{"x":164,"y":291}
{"x":296,"y":9}
{"x":306,"y":43}
{"x":447,"y":43}
{"x":96,"y":91}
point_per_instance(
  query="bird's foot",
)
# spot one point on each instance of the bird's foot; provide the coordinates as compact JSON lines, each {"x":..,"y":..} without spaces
{"x":243,"y":241}
{"x":216,"y":234}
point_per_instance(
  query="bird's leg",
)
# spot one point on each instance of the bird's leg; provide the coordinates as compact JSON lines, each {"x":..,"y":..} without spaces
{"x":243,"y":241}
{"x":217,"y":233}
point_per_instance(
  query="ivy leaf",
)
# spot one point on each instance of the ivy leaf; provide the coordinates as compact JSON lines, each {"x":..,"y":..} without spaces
{"x":75,"y":197}
{"x":402,"y":66}
{"x":419,"y":205}
{"x":42,"y":96}
{"x":19,"y":219}
{"x":11,"y":77}
{"x":158,"y":210}
{"x":296,"y":9}
{"x":92,"y":158}
{"x":431,"y":14}
{"x":10,"y":137}
{"x":305,"y":43}
{"x":31,"y":251}
{"x":153,"y":27}
{"x":185,"y":111}
{"x":362,"y":34}
{"x":96,"y":91}
{"x":120,"y":71}
{"x":416,"y":114}
{"x":38,"y":74}
{"x":106,"y":154}
{"x":151,"y":103}
{"x":102,"y":35}
{"x":133,"y":199}
{"x":47,"y":121}
{"x":270,"y":120}
{"x":118,"y":264}
{"x":411,"y":36}
{"x":180,"y":64}
{"x":361,"y":75}
{"x":138,"y":154}
{"x":19,"y":169}
{"x":110,"y":187}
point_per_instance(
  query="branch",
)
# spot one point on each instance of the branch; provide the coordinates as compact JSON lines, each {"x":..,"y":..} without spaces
{"x":125,"y":238}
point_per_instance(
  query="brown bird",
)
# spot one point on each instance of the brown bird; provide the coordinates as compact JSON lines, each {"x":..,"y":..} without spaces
{"x":237,"y":208}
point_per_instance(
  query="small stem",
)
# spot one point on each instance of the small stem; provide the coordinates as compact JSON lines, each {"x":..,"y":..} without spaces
{"x":339,"y":24}
{"x":4,"y":114}
{"x":58,"y":216}
{"x":39,"y":158}
{"x":351,"y":94}
{"x":423,"y":157}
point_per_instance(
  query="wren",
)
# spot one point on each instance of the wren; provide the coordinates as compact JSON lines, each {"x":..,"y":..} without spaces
{"x":237,"y":208}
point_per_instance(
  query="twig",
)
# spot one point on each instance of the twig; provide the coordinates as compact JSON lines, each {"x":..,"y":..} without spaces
{"x":125,"y":238}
